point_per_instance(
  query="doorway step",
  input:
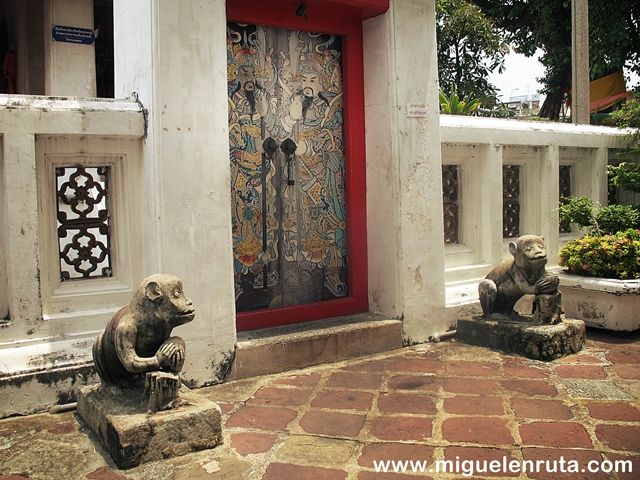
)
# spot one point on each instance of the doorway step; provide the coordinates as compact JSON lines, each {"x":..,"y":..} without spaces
{"x":280,"y":349}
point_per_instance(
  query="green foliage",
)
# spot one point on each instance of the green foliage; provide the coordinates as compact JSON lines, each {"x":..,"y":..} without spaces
{"x":469,"y":48}
{"x":616,"y":218}
{"x":614,"y":29}
{"x":599,"y":220}
{"x":578,"y":210}
{"x":628,"y":116}
{"x":625,"y":175}
{"x":609,"y":256}
{"x":452,"y":105}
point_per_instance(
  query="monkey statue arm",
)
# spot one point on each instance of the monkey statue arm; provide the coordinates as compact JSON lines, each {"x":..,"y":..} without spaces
{"x":125,"y":349}
{"x":547,"y":284}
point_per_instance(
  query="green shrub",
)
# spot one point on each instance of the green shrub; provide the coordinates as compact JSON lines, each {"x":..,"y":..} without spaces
{"x":625,"y":175}
{"x":609,"y":256}
{"x":578,"y":210}
{"x":615,"y":218}
{"x":600,"y":220}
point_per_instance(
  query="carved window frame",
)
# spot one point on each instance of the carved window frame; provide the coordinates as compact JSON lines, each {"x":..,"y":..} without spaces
{"x":470,"y":159}
{"x":531,"y":160}
{"x":85,"y":304}
{"x":582,"y":163}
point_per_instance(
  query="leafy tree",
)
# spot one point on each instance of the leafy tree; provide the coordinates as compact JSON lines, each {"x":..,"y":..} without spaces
{"x":546,"y":24}
{"x":469,"y":48}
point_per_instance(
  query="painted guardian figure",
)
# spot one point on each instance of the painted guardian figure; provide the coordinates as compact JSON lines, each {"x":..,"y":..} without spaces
{"x":525,"y":274}
{"x":138,"y":340}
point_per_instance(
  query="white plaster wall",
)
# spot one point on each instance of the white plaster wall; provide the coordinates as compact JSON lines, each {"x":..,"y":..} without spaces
{"x":70,"y":69}
{"x":178,"y":69}
{"x":404,"y":177}
{"x":4,"y":287}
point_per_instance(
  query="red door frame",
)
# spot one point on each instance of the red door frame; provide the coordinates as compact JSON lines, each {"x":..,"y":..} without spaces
{"x":342,"y":18}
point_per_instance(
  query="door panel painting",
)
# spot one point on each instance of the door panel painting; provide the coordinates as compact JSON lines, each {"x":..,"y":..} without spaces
{"x":287,"y":166}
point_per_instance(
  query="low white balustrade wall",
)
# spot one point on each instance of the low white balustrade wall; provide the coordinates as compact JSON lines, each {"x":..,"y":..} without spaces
{"x":503,"y":178}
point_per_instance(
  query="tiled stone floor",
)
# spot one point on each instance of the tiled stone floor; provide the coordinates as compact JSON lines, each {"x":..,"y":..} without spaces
{"x":428,"y":402}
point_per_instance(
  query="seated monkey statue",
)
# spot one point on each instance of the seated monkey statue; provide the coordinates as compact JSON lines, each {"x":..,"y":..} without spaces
{"x":525,"y":274}
{"x":138,"y":340}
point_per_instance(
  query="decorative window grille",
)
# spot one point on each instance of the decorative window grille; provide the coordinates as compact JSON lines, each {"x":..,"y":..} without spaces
{"x":565,"y":191}
{"x":451,"y":207}
{"x":84,"y":240}
{"x":510,"y":201}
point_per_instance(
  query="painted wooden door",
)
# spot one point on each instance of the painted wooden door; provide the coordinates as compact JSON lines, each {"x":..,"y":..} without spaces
{"x":287,"y":166}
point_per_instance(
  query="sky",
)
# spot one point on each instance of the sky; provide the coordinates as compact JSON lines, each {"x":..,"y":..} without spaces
{"x":520,"y":76}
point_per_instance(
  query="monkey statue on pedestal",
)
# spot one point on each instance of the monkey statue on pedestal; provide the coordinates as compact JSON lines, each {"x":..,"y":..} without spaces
{"x":525,"y":274}
{"x":138,"y":338}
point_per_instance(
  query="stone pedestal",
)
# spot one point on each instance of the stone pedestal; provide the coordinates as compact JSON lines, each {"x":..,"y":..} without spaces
{"x":519,"y":336}
{"x":133,"y":436}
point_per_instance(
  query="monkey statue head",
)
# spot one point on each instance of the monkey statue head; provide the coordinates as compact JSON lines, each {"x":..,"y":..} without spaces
{"x":529,"y":252}
{"x":163,"y":301}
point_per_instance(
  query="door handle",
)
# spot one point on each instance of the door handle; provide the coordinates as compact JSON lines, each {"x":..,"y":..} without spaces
{"x":288,"y":147}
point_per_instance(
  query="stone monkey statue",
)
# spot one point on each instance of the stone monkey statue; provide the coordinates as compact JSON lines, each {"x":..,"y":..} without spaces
{"x":524,"y":274}
{"x":138,"y":338}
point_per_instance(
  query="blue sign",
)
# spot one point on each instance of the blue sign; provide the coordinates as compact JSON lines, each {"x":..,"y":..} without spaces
{"x":83,"y":36}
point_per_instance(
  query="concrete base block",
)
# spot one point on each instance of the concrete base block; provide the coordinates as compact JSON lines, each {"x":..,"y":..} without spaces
{"x":539,"y":342}
{"x":133,"y":436}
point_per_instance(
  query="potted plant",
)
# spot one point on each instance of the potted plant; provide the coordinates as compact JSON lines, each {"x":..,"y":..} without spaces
{"x":602,"y":283}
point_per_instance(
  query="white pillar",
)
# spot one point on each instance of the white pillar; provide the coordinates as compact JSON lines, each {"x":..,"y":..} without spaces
{"x":491,"y":205}
{"x":70,"y":68}
{"x":404,"y":170}
{"x":549,"y":198}
{"x":580,"y":61}
{"x":21,"y":217}
{"x":173,"y":54}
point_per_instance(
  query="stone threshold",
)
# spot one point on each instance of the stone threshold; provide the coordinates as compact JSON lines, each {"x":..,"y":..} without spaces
{"x":280,"y":349}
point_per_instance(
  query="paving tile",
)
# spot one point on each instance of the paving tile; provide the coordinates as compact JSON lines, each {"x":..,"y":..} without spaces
{"x":367,"y":475}
{"x":369,"y":366}
{"x":102,"y":473}
{"x":624,"y":355}
{"x":554,"y":461}
{"x":627,"y":371}
{"x":397,"y":402}
{"x":262,"y":418}
{"x":425,"y":383}
{"x":614,"y":411}
{"x":284,"y":397}
{"x":626,"y":466}
{"x":414,"y":365}
{"x":357,"y":380}
{"x":539,"y":408}
{"x":465,"y":368}
{"x":555,"y":434}
{"x":308,"y":380}
{"x":524,"y":371}
{"x":470,"y":385}
{"x":282,"y":471}
{"x":406,"y":428}
{"x":581,"y":371}
{"x":341,"y":399}
{"x":483,"y":430}
{"x":246,"y":443}
{"x":332,"y":423}
{"x":394,"y":451}
{"x":594,"y":389}
{"x":530,"y":387}
{"x":580,"y":358}
{"x":619,"y":437}
{"x":474,"y":405}
{"x":314,"y":450}
{"x":479,"y":461}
